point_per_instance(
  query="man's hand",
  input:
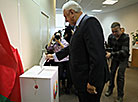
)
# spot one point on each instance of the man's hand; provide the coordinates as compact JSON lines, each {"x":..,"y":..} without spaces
{"x":49,"y":57}
{"x":91,"y":89}
{"x":108,"y":54}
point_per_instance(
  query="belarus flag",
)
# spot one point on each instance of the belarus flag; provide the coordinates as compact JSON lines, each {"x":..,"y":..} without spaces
{"x":10,"y":69}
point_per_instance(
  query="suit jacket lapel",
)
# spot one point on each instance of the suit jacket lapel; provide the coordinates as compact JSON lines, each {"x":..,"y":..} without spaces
{"x":79,"y":26}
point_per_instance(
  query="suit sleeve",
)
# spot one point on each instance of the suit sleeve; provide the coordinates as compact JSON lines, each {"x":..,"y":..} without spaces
{"x":94,"y":41}
{"x":62,"y":53}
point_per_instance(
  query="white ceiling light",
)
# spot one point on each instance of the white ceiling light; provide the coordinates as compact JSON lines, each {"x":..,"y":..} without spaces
{"x":110,"y":2}
{"x":96,"y":10}
{"x":79,"y":1}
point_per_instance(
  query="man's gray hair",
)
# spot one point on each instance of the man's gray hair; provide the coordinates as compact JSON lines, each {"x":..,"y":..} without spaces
{"x":72,"y":5}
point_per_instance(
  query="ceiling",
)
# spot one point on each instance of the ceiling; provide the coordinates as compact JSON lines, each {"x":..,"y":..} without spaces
{"x":89,"y":5}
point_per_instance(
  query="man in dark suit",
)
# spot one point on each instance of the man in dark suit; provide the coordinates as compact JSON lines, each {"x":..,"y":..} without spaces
{"x":86,"y":52}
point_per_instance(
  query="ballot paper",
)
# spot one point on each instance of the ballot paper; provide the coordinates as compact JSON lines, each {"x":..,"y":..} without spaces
{"x":43,"y":60}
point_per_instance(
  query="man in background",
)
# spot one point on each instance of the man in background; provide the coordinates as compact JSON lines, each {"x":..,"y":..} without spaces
{"x":119,"y":43}
{"x":123,"y":30}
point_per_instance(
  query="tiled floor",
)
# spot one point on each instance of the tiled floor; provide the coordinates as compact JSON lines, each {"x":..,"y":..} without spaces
{"x":131,"y":90}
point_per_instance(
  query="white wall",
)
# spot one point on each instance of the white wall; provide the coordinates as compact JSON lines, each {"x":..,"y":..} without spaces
{"x":60,"y":21}
{"x":9,"y":12}
{"x":28,"y":29}
{"x":128,"y":18}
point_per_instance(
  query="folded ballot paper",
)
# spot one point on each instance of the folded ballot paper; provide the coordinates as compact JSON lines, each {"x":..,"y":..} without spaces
{"x":43,"y":60}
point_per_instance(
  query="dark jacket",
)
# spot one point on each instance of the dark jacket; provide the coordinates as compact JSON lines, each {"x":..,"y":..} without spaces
{"x":120,"y":47}
{"x":87,"y":54}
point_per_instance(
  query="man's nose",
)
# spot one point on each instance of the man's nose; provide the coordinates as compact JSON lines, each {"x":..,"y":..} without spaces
{"x":114,"y":33}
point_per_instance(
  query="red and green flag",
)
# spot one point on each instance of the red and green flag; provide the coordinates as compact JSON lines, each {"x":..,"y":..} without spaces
{"x":10,"y":69}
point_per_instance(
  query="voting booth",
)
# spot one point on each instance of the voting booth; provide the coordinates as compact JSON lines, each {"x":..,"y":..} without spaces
{"x":40,"y":84}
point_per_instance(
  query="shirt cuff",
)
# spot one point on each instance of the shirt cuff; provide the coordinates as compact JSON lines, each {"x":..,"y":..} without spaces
{"x":55,"y":57}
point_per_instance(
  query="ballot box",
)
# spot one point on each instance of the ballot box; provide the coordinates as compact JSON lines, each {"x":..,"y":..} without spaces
{"x":40,"y":84}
